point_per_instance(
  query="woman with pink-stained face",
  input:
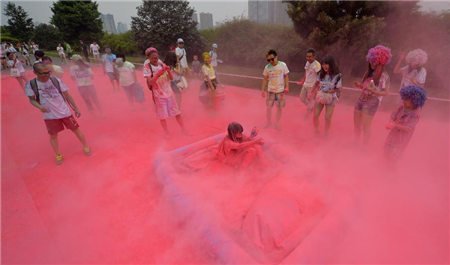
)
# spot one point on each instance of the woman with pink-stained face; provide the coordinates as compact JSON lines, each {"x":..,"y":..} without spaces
{"x":239,"y":150}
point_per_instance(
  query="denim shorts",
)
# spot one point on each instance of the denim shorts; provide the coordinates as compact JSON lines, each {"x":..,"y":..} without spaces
{"x":367,"y":104}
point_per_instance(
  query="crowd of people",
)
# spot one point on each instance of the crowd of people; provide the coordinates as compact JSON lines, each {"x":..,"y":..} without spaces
{"x":321,"y":89}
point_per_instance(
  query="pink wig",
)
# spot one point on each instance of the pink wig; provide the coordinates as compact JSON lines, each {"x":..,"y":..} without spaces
{"x":418,"y":57}
{"x":379,"y":55}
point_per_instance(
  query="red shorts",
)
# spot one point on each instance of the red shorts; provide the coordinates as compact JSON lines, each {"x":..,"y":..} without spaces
{"x":57,"y":125}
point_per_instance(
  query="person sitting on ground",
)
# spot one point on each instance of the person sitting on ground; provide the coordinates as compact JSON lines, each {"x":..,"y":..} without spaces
{"x":238,"y":150}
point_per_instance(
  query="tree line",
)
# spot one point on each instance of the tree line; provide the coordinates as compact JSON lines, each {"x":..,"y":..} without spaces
{"x":345,"y":29}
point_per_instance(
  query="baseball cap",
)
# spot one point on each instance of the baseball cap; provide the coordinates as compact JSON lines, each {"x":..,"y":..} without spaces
{"x":180,"y":40}
{"x":214,"y":45}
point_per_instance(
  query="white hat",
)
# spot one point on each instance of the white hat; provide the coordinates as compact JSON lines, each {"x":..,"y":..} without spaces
{"x":180,"y":40}
{"x":76,"y":57}
{"x":214,"y":45}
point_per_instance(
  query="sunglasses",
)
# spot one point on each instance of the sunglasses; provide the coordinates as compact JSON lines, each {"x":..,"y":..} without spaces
{"x":45,"y":73}
{"x":271,"y":59}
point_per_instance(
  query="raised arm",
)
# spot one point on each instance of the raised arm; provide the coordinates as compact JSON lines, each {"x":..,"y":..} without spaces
{"x":399,"y":63}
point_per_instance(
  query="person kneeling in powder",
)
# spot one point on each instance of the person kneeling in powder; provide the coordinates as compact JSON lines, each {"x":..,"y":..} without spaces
{"x":158,"y":77}
{"x":238,"y":150}
{"x":49,"y":95}
{"x":403,"y":121}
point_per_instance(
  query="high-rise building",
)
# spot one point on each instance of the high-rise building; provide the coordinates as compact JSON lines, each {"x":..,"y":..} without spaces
{"x":206,"y":21}
{"x":268,"y":12}
{"x":108,"y":23}
{"x":121,"y":27}
{"x":195,"y":18}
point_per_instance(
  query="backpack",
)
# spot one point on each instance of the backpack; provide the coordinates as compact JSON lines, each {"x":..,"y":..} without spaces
{"x":150,"y":86}
{"x":34,"y":87}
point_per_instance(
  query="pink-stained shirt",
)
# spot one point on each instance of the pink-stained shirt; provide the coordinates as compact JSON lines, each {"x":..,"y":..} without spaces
{"x":400,"y":138}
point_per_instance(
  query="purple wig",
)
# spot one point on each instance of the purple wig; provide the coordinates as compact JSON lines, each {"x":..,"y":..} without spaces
{"x":379,"y":55}
{"x":416,"y":94}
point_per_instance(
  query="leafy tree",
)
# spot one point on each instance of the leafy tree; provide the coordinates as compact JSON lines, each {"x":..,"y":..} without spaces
{"x":77,"y":20}
{"x":120,"y":43}
{"x":47,"y":36}
{"x":19,"y":25}
{"x":243,"y":42}
{"x":161,"y":23}
{"x":344,"y":29}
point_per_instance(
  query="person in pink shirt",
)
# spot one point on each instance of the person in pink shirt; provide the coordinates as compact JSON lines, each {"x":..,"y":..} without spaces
{"x":158,"y":77}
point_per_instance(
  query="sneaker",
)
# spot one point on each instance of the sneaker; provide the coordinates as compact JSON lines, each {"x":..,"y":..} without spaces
{"x":59,"y":159}
{"x":87,"y":151}
{"x":277,"y":126}
{"x":185,"y":132}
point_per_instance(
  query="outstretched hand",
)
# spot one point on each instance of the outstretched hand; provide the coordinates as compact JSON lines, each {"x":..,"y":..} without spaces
{"x":259,"y":141}
{"x":358,"y":85}
{"x":389,"y":126}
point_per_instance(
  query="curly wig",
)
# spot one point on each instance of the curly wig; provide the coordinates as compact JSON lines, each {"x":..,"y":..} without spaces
{"x":379,"y":55}
{"x":416,"y":94}
{"x":417,"y":56}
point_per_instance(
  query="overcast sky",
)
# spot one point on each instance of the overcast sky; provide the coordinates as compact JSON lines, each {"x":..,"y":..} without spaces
{"x":124,"y":10}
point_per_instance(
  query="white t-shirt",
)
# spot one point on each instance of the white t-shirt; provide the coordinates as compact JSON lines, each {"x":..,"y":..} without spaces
{"x":275,"y":74}
{"x":60,"y":50}
{"x":108,"y":60}
{"x":51,"y":99}
{"x":383,"y":84}
{"x":18,"y":65}
{"x":126,"y":73}
{"x":420,"y":76}
{"x":182,"y":52}
{"x":35,"y":47}
{"x":83,"y":76}
{"x":207,"y":71}
{"x":95,"y":48}
{"x":327,"y":83}
{"x":162,"y":87}
{"x":11,"y":49}
{"x":213,"y":55}
{"x":311,"y":71}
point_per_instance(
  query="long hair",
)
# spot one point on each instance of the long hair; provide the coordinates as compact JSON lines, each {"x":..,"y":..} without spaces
{"x":233,"y":129}
{"x":121,"y":55}
{"x":171,"y":60}
{"x":376,"y":73}
{"x":333,"y":68}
